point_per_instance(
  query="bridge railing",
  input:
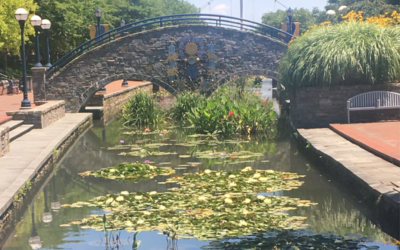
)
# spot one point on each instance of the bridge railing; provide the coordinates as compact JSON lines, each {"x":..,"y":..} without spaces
{"x":162,"y":21}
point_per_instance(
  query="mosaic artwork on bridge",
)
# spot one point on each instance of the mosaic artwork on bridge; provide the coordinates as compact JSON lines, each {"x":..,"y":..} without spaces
{"x":197,"y":66}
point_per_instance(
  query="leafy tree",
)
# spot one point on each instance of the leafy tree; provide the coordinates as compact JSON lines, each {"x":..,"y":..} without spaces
{"x":304,"y":16}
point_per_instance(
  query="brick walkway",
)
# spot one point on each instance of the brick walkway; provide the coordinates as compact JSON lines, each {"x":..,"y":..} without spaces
{"x":367,"y":168}
{"x":11,"y":102}
{"x":382,"y":138}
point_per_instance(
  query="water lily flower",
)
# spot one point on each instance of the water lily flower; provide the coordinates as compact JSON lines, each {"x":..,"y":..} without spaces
{"x":162,"y":207}
{"x":260,"y":197}
{"x":232,"y":184}
{"x":164,"y":131}
{"x":246,"y":169}
{"x":119,"y":198}
{"x":125,"y":193}
{"x":223,"y":154}
{"x":146,"y":161}
{"x":153,"y":192}
{"x":267,"y":201}
{"x":140,"y":222}
{"x":138,"y":197}
{"x":256,"y":175}
{"x":246,"y":201}
{"x":109,"y":200}
{"x":121,"y":141}
{"x":214,"y":137}
{"x":228,"y":200}
{"x":161,"y":134}
{"x":232,"y":176}
{"x":146,"y":130}
{"x":207,"y":171}
{"x":211,"y":153}
{"x":242,"y":223}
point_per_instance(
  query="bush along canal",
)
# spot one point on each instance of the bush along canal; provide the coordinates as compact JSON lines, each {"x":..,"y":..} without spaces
{"x":223,"y":177}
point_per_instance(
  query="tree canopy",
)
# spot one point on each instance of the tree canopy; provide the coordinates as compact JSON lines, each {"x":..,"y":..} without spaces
{"x":304,"y":16}
{"x":349,"y":53}
{"x":10,"y":32}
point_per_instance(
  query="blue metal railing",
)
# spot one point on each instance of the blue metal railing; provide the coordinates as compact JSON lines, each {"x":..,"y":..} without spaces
{"x":161,"y":21}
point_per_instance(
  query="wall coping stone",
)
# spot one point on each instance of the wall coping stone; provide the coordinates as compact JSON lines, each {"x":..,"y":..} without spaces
{"x":126,"y":90}
{"x":44,"y":107}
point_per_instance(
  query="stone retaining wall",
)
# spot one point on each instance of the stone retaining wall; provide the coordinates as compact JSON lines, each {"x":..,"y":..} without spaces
{"x":112,"y":103}
{"x":42,"y":115}
{"x":4,"y":140}
{"x":317,"y":107}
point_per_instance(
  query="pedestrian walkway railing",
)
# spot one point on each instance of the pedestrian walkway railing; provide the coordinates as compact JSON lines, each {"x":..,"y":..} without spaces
{"x":162,"y":21}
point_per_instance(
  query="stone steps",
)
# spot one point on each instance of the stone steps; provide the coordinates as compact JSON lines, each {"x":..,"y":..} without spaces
{"x":19,"y":131}
{"x":12,"y":124}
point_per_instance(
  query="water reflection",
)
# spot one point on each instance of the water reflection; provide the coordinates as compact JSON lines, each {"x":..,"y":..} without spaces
{"x":335,"y":213}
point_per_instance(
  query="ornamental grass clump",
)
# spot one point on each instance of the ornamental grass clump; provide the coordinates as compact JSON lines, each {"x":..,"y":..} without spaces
{"x":142,"y":109}
{"x":351,"y":53}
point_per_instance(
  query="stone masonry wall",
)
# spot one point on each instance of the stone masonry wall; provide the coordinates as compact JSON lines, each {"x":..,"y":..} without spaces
{"x":143,"y":56}
{"x":317,"y":107}
{"x":41,"y":116}
{"x":4,"y":140}
{"x":114,"y":102}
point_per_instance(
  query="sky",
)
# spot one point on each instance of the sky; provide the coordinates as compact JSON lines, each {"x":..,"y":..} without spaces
{"x":254,"y":9}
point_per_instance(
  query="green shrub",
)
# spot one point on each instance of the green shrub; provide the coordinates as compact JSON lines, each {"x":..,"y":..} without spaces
{"x":142,"y":110}
{"x":184,"y":102}
{"x":257,"y":81}
{"x":229,"y":111}
{"x":349,"y":53}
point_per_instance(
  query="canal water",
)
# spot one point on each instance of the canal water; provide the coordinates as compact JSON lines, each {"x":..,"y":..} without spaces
{"x":44,"y":225}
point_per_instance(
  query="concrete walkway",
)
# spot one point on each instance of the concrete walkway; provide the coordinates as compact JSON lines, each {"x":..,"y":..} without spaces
{"x":30,"y":152}
{"x":368,"y":169}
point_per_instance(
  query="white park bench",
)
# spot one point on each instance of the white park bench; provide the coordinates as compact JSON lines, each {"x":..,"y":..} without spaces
{"x":372,"y":101}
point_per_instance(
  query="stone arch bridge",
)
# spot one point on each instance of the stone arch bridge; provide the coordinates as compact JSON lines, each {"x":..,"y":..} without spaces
{"x":192,"y":55}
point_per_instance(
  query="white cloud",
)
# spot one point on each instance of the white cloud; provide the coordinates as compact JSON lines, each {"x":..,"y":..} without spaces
{"x":222,"y":9}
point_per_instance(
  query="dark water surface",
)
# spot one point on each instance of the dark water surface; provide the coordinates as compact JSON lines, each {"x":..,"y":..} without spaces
{"x":337,"y":212}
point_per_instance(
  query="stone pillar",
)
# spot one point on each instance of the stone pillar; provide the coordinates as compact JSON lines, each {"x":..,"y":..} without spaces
{"x":39,"y":83}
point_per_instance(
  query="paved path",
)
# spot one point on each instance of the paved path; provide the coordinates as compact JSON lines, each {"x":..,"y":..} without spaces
{"x":11,"y":102}
{"x":382,"y":137}
{"x":370,"y":169}
{"x":29,"y":152}
{"x":116,"y":86}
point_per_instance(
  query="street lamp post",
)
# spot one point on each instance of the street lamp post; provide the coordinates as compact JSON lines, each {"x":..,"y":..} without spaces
{"x":46,"y":24}
{"x":290,"y":14}
{"x":36,"y":21}
{"x":21,"y":15}
{"x":98,"y":16}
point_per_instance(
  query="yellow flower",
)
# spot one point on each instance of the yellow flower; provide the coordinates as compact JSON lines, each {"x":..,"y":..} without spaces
{"x":232,"y":184}
{"x":246,"y":169}
{"x":202,"y":198}
{"x":109,"y":200}
{"x":246,"y":201}
{"x":267,"y":201}
{"x":147,"y":212}
{"x":227,"y":200}
{"x":263,"y":179}
{"x":125,"y":193}
{"x":260,"y":197}
{"x":162,"y":207}
{"x":251,"y":180}
{"x":153,"y":193}
{"x":256,"y":175}
{"x":218,"y":174}
{"x":140,"y":222}
{"x":245,"y":211}
{"x":112,"y":170}
{"x":207,"y":171}
{"x":138,"y":197}
{"x":232,"y":176}
{"x":119,"y":198}
{"x":227,"y":195}
{"x":242,"y":223}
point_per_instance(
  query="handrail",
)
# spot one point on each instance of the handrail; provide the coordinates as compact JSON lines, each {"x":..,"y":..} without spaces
{"x":209,"y":19}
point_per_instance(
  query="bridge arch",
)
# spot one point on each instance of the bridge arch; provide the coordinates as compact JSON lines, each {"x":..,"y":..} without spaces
{"x":144,"y":56}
